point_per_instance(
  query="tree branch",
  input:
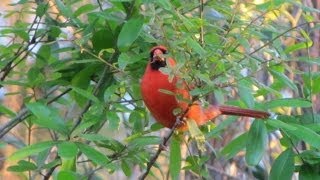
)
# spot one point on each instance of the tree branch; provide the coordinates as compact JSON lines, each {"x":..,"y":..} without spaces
{"x":265,"y":45}
{"x":24,"y":113}
{"x":160,"y":148}
{"x":95,"y":93}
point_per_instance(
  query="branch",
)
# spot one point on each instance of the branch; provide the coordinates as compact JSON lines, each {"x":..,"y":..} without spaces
{"x":265,"y":45}
{"x":8,"y":67}
{"x":180,"y":119}
{"x":201,"y":27}
{"x":95,"y":93}
{"x":24,"y":113}
{"x":161,"y":148}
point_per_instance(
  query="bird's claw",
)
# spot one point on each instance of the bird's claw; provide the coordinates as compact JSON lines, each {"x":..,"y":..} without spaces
{"x":181,"y":121}
{"x":163,"y":147}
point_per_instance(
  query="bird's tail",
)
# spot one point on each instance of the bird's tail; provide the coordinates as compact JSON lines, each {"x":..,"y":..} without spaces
{"x":231,"y":110}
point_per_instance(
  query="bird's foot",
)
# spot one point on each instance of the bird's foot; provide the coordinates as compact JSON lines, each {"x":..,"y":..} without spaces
{"x":163,"y":147}
{"x":181,"y":121}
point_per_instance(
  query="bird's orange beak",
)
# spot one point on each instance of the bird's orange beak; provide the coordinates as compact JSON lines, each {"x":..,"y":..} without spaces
{"x":158,"y":55}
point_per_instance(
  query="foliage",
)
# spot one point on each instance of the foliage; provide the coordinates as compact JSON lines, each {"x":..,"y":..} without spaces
{"x":90,"y":56}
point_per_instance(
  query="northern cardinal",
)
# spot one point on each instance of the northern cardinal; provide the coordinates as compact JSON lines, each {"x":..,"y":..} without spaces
{"x":162,"y":105}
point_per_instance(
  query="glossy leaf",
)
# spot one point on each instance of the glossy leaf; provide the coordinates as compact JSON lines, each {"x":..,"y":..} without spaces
{"x":126,"y":168}
{"x":306,"y":135}
{"x":256,"y":142}
{"x":235,"y":146}
{"x":47,"y":117}
{"x":67,"y":175}
{"x":129,"y":33}
{"x":84,"y":9}
{"x":283,"y":79}
{"x":245,"y":93}
{"x":283,"y":166}
{"x":7,"y":111}
{"x":309,"y":172}
{"x":141,"y":141}
{"x":41,"y":9}
{"x":288,"y":102}
{"x":85,"y":94}
{"x":22,"y":166}
{"x":175,"y":158}
{"x":67,"y":149}
{"x":113,"y":120}
{"x":31,"y":150}
{"x":94,"y":155}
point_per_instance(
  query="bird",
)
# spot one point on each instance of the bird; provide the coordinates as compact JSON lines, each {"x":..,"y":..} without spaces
{"x":160,"y":95}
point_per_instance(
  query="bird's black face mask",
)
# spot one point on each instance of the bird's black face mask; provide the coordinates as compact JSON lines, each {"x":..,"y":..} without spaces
{"x":157,"y":59}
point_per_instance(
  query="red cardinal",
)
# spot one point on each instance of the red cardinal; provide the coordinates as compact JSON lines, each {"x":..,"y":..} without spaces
{"x":162,"y":105}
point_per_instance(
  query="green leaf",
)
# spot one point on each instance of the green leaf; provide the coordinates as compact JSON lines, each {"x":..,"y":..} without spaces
{"x":35,"y":77}
{"x":94,"y":137}
{"x":113,"y":120}
{"x":129,"y":33}
{"x":165,"y":4}
{"x":196,"y":134}
{"x":312,"y":157}
{"x":235,"y":146}
{"x":69,"y":164}
{"x":30,"y":150}
{"x":84,"y":9}
{"x":123,"y":60}
{"x":43,"y":55}
{"x":306,"y":135}
{"x":280,"y":124}
{"x":138,"y":120}
{"x":54,"y":31}
{"x":85,"y":94}
{"x":288,"y":102}
{"x":298,"y":46}
{"x":175,"y":158}
{"x":41,"y":9}
{"x":156,"y":126}
{"x":94,"y":155}
{"x":63,"y":9}
{"x":67,"y":175}
{"x":126,"y":168}
{"x":22,"y":166}
{"x":47,"y":117}
{"x":164,"y":91}
{"x":256,"y":142}
{"x":83,"y":126}
{"x":81,"y":80}
{"x":283,"y":166}
{"x":102,"y":39}
{"x":142,"y":141}
{"x":196,"y":46}
{"x":283,"y":79}
{"x":245,"y":93}
{"x":309,"y":172}
{"x":7,"y":111}
{"x":67,"y":149}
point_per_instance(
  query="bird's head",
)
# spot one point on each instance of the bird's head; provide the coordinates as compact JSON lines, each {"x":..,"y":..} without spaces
{"x":157,"y":58}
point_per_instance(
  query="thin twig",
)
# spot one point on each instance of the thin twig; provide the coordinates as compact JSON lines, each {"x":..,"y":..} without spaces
{"x":265,"y":45}
{"x":23,"y":114}
{"x":166,"y":139}
{"x":8,"y":67}
{"x":95,"y":93}
{"x":201,"y":7}
{"x":49,"y":173}
{"x":160,"y":149}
